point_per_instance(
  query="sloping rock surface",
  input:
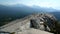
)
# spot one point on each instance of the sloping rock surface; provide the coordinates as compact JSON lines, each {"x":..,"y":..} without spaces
{"x":34,"y":31}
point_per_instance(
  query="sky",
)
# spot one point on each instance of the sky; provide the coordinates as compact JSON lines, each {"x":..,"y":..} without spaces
{"x":42,"y":3}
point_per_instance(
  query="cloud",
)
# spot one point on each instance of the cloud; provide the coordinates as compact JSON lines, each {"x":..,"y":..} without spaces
{"x":42,"y":3}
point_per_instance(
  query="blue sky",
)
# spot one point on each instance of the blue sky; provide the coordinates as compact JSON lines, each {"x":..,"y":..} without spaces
{"x":42,"y":3}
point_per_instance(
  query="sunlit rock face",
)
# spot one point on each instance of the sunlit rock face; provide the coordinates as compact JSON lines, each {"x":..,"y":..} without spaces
{"x":43,"y":22}
{"x":37,"y":21}
{"x":34,"y":31}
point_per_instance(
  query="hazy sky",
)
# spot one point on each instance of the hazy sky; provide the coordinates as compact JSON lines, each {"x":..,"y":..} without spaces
{"x":42,"y":3}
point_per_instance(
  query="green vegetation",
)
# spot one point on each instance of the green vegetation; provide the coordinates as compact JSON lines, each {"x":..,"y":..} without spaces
{"x":57,"y":24}
{"x":6,"y":20}
{"x":58,"y":27}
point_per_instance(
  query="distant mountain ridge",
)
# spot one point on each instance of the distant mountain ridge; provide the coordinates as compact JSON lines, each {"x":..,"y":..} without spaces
{"x":57,"y":15}
{"x":20,"y":10}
